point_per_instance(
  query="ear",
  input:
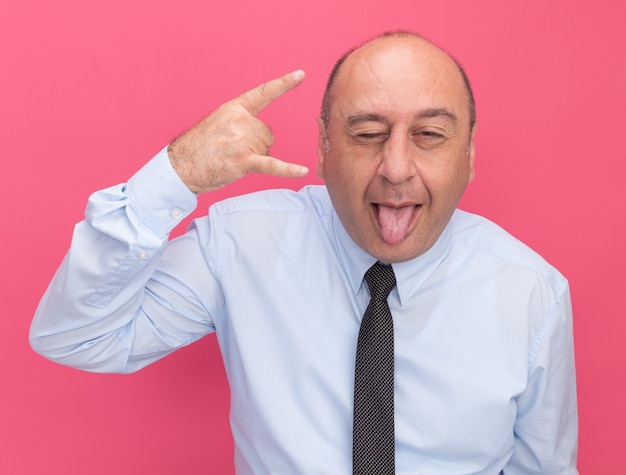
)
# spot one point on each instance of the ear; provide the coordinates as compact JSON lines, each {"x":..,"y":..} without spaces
{"x":471,"y":153}
{"x":322,"y":148}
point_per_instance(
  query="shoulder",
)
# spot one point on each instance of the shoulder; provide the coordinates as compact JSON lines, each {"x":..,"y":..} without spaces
{"x":268,"y":216}
{"x":264,"y":227}
{"x":490,"y":242}
{"x":276,"y":201}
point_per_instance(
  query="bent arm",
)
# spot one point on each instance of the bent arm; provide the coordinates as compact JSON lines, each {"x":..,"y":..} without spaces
{"x":117,"y":302}
{"x":124,"y":296}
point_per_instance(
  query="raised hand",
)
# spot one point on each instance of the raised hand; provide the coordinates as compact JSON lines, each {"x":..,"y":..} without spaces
{"x":231,"y":141}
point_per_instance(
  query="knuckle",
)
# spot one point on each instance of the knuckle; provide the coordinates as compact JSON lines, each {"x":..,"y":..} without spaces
{"x":261,"y":148}
{"x":269,"y":166}
{"x":262,"y":90}
{"x":270,"y":138}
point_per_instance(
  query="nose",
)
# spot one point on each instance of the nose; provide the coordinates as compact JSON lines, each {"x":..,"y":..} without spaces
{"x":397,"y":163}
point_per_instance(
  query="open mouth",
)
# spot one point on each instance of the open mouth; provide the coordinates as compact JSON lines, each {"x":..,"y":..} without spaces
{"x":394,"y":221}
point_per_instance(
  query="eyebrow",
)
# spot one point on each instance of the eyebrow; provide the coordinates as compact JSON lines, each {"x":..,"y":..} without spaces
{"x":428,"y":113}
{"x":361,"y":118}
{"x":425,"y":114}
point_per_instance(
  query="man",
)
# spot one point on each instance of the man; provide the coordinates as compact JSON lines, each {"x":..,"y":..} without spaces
{"x":484,"y":373}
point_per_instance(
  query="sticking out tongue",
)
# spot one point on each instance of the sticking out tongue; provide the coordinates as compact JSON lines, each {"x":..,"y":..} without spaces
{"x":394,"y":222}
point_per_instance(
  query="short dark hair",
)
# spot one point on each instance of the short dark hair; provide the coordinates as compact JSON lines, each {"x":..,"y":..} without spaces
{"x":327,"y":98}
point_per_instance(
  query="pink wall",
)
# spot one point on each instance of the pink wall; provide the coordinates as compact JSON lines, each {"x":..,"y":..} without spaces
{"x":90,"y":90}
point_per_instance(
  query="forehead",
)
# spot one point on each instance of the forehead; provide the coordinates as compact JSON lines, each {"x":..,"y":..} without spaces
{"x":397,"y":74}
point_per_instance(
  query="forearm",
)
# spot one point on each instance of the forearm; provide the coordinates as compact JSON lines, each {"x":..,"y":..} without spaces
{"x":96,"y":303}
{"x":105,"y":310}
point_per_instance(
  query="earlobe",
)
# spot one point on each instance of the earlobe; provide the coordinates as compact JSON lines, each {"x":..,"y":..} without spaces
{"x":322,"y":148}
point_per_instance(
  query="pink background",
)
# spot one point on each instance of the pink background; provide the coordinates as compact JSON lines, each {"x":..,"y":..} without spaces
{"x":91,"y":90}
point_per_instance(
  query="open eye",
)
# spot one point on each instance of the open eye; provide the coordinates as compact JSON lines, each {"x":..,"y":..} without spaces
{"x":428,"y":138}
{"x":430,"y":133}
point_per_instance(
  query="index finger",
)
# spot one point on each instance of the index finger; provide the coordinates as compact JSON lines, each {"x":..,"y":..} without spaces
{"x":255,"y":100}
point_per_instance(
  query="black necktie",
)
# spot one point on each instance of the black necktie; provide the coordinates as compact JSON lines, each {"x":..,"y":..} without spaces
{"x":373,"y":433}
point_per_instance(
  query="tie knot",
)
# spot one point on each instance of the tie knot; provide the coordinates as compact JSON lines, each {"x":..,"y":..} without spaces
{"x":380,"y":280}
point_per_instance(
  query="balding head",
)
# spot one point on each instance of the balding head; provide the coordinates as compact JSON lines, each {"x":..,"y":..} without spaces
{"x":409,"y":36}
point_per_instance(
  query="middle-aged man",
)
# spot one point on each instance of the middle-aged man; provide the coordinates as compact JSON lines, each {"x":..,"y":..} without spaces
{"x":481,"y":378}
